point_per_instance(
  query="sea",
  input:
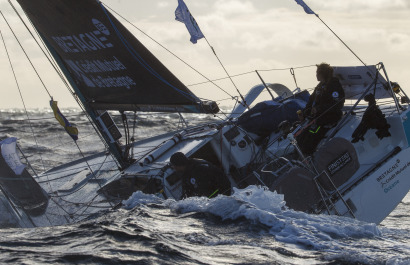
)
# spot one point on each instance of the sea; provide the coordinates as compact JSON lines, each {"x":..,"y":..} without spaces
{"x":253,"y":226}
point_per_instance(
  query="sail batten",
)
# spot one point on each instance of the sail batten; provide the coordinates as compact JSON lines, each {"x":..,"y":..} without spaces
{"x":109,"y":65}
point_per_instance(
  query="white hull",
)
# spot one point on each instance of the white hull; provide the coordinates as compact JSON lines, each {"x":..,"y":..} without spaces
{"x":377,"y":195}
{"x":372,"y":192}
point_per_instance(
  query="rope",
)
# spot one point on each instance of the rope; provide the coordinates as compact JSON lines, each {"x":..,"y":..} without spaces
{"x":12,"y":208}
{"x":344,"y":44}
{"x":22,"y":100}
{"x":292,"y":72}
{"x":87,"y":206}
{"x":60,"y":74}
{"x":52,"y":118}
{"x":239,"y":92}
{"x":251,"y":72}
{"x":176,"y":56}
{"x":21,"y":46}
{"x":48,"y":55}
{"x":21,"y":96}
{"x":143,"y":63}
{"x":288,"y":68}
{"x":222,"y":78}
{"x":134,"y":123}
{"x":265,"y":85}
{"x":69,"y":175}
{"x":84,"y":203}
{"x":85,"y":160}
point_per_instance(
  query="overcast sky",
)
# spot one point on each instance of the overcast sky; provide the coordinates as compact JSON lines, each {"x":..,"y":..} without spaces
{"x":247,"y":35}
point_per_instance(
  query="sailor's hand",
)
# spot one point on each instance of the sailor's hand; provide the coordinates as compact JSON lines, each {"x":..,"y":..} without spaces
{"x":301,"y":117}
{"x":314,"y":111}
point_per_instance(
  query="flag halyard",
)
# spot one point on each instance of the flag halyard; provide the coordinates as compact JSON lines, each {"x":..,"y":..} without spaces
{"x":305,"y":7}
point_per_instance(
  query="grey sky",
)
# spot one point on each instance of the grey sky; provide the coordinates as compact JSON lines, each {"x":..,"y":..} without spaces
{"x":247,"y":35}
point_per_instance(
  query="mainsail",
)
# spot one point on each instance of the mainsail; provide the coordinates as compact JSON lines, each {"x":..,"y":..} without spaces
{"x":110,"y":67}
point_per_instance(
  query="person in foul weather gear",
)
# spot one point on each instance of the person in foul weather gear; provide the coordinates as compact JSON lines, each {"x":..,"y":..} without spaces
{"x":324,"y":108}
{"x":373,"y":118}
{"x":327,"y":100}
{"x":199,"y":177}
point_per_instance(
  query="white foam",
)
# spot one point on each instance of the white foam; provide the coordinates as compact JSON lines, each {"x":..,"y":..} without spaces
{"x":138,"y":198}
{"x":261,"y":206}
{"x":398,"y":261}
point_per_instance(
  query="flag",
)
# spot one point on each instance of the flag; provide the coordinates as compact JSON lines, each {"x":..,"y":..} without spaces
{"x":183,"y":15}
{"x":305,"y":7}
{"x":71,"y":130}
{"x":8,"y":151}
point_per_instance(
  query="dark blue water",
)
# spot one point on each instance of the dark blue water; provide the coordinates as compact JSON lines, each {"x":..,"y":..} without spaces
{"x":251,"y":227}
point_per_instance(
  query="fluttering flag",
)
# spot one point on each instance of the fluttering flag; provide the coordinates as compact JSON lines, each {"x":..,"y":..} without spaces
{"x":305,"y":7}
{"x":183,"y":15}
{"x":8,"y":151}
{"x":71,"y":130}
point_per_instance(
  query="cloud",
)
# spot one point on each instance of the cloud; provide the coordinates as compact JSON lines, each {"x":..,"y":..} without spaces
{"x":234,"y":7}
{"x":399,"y":42}
{"x":252,"y":34}
{"x":163,"y":4}
{"x":355,"y":5}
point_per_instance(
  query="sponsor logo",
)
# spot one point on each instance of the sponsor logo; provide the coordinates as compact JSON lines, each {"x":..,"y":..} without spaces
{"x":87,"y":41}
{"x":389,"y":188}
{"x":388,"y":179}
{"x":83,"y":69}
{"x":335,"y":95}
{"x":388,"y":171}
{"x":92,"y":70}
{"x":100,"y":26}
{"x":339,"y":163}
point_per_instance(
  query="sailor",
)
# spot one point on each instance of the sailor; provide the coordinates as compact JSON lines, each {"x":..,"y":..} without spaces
{"x":324,"y":108}
{"x":373,"y":118}
{"x":199,"y":177}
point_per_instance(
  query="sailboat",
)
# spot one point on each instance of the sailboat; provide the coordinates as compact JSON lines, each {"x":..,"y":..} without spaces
{"x":108,"y":70}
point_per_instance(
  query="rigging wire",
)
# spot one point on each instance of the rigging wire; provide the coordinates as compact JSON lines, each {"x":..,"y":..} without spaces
{"x":292,"y":72}
{"x":51,"y":190}
{"x":142,"y":62}
{"x":343,"y":42}
{"x":252,"y":72}
{"x":13,"y":208}
{"x":39,"y":79}
{"x":28,"y":58}
{"x":22,"y":99}
{"x":226,"y":71}
{"x":87,"y":206}
{"x":54,"y":63}
{"x":134,"y":124}
{"x":162,"y":46}
{"x":48,"y":55}
{"x":51,"y":118}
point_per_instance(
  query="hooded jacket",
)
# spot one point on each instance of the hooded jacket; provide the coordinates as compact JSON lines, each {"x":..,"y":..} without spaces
{"x":201,"y":178}
{"x":328,"y":100}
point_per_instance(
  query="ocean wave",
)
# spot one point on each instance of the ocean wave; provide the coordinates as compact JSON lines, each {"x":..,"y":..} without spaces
{"x":261,"y":206}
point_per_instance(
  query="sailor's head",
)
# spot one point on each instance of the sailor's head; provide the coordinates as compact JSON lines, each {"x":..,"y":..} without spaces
{"x":370,"y":98}
{"x":324,"y":72}
{"x":179,"y":161}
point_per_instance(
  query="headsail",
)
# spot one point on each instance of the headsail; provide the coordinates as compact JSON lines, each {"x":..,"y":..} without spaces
{"x":111,"y":68}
